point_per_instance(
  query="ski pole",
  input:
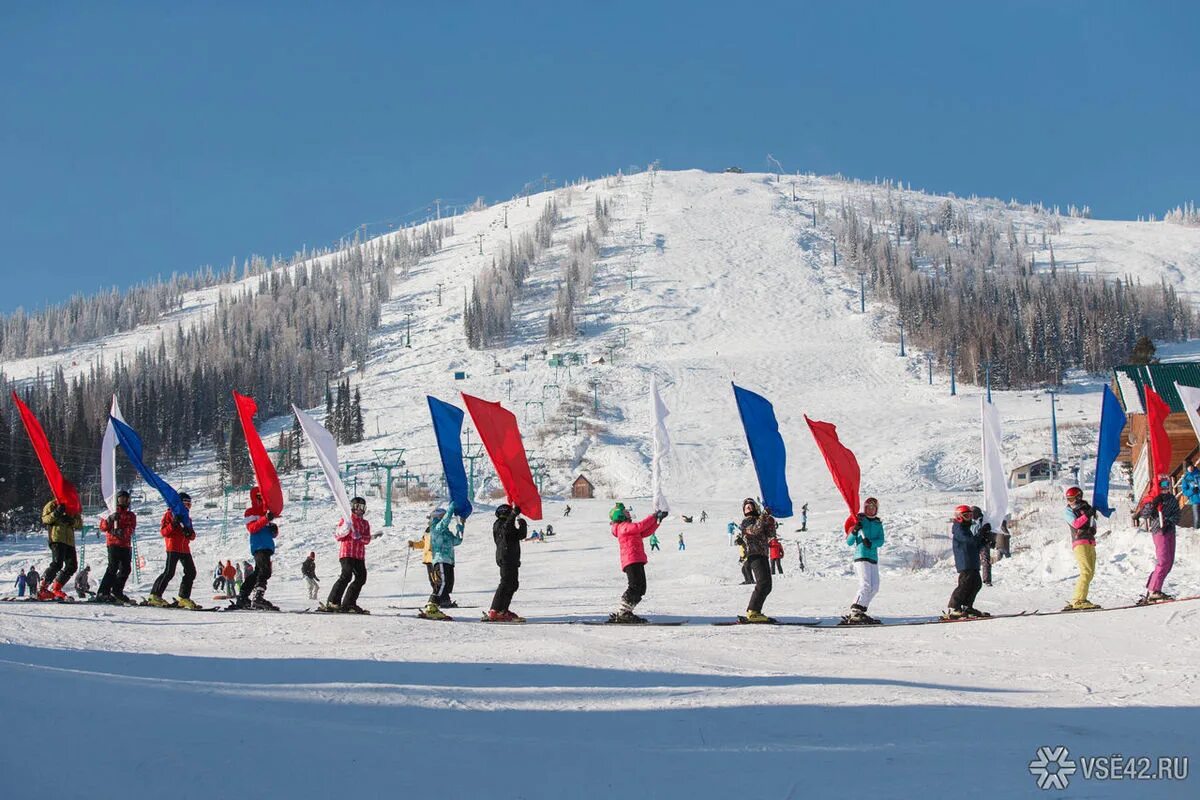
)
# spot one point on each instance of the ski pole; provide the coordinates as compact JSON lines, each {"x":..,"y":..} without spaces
{"x":404,"y":578}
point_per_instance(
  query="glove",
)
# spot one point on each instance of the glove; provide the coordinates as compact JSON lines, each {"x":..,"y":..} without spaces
{"x":516,"y":511}
{"x":459,"y":528}
{"x":274,"y":529}
{"x":270,"y":516}
{"x":659,"y":516}
{"x":866,"y":542}
{"x":61,"y":510}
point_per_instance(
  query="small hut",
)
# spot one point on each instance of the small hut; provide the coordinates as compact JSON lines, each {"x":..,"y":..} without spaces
{"x":1026,"y":474}
{"x":582,"y":488}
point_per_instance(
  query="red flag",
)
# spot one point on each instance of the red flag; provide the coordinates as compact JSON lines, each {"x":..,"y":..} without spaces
{"x":264,"y":470}
{"x":64,"y":491}
{"x":501,"y":438}
{"x":843,"y":466}
{"x":1160,"y":444}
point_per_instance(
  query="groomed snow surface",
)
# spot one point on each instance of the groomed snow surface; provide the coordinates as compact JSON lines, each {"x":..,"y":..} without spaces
{"x":731,"y":283}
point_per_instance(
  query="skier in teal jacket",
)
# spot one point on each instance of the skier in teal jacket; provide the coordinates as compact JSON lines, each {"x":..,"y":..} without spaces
{"x":442,"y":541}
{"x":866,"y":537}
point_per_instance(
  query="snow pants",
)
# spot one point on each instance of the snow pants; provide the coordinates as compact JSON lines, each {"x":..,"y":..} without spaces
{"x":256,"y":578}
{"x":313,"y":586}
{"x":636,"y":589}
{"x":445,"y":585}
{"x":63,"y":563}
{"x":1164,"y":558}
{"x":762,"y":582}
{"x":868,"y":582}
{"x":120,"y":561}
{"x":747,"y":573}
{"x":1085,"y":557}
{"x":346,"y":588}
{"x":507,"y":588}
{"x":968,"y":587}
{"x":776,"y":566}
{"x":432,"y":573}
{"x":168,"y":575}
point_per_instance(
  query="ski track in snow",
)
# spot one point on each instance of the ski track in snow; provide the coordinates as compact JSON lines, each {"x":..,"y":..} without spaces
{"x":741,"y":289}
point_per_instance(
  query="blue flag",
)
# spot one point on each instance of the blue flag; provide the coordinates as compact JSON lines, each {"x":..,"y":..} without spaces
{"x":131,"y":443}
{"x":447,"y":427}
{"x":1112,"y":422}
{"x":766,"y":449}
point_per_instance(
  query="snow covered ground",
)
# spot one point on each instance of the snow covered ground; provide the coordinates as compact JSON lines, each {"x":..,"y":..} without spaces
{"x":729,"y":283}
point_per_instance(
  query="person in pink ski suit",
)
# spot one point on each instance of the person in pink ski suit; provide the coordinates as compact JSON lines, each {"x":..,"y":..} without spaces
{"x":630,"y":536}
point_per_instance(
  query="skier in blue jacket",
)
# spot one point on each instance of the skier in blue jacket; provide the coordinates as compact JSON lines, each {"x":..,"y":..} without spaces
{"x":1189,"y":487}
{"x":968,"y":539}
{"x":866,"y":537}
{"x":442,"y":542}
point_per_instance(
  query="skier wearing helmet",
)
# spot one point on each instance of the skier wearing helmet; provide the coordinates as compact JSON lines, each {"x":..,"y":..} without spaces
{"x":260,"y":524}
{"x":353,"y":536}
{"x":758,"y":528}
{"x":1162,"y":514}
{"x":1082,"y":519}
{"x":968,"y":538}
{"x":629,"y":536}
{"x":442,"y":542}
{"x":507,"y":531}
{"x":118,"y":528}
{"x":866,"y":537}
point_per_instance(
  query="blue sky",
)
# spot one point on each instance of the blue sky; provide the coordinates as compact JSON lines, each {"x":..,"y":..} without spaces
{"x":144,"y":138}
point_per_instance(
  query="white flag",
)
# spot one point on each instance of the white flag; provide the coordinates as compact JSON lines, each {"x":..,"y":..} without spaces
{"x":995,"y":482}
{"x":1190,"y":397}
{"x":662,"y":446}
{"x":326,"y":450}
{"x":108,"y":460}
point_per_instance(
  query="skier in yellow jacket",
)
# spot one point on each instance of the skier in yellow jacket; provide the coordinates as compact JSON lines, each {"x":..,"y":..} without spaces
{"x":61,"y":526}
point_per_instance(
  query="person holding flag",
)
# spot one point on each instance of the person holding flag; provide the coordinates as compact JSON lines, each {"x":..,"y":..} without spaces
{"x":866,"y":537}
{"x":353,"y":536}
{"x":260,"y":524}
{"x":629,"y":536}
{"x":507,"y":531}
{"x":442,"y":541}
{"x":1162,"y":513}
{"x":61,"y":525}
{"x":118,"y":531}
{"x":758,"y":528}
{"x":177,"y":536}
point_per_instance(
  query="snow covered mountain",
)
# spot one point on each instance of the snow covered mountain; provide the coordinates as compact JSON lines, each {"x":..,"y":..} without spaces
{"x":703,"y":280}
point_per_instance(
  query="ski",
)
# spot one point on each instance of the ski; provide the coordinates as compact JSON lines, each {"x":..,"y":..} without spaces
{"x":1118,"y":608}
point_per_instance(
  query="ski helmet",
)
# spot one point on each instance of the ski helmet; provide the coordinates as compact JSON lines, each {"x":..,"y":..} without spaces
{"x":962,"y":512}
{"x":870,"y":501}
{"x":358,"y":504}
{"x":619,"y":513}
{"x":1074,"y":493}
{"x":750,"y":501}
{"x":503,"y":510}
{"x":438,"y":513}
{"x":184,"y":497}
{"x":123,"y":495}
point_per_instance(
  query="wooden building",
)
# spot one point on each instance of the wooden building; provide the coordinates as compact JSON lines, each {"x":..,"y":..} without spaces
{"x":1128,"y":383}
{"x":1026,"y":474}
{"x":582,"y":488}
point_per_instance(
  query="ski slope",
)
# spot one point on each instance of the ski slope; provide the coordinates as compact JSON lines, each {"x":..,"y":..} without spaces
{"x":705,"y":279}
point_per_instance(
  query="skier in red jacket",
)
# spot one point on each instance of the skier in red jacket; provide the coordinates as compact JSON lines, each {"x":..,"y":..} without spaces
{"x":629,"y":536}
{"x":775,"y":553}
{"x":118,"y":529}
{"x":178,"y":537}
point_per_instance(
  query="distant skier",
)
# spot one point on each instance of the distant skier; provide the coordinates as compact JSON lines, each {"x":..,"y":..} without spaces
{"x":218,"y":577}
{"x":775,"y":553}
{"x":353,"y":536}
{"x":308,"y":570}
{"x":178,"y":538}
{"x":260,"y":523}
{"x":629,"y":536}
{"x":804,"y":518}
{"x":967,"y":539}
{"x":1189,"y":486}
{"x":703,"y":515}
{"x":118,"y":530}
{"x":682,"y":546}
{"x":443,"y":540}
{"x":21,"y":583}
{"x":83,"y":584}
{"x":758,"y":528}
{"x":1081,"y":518}
{"x":508,"y":530}
{"x":231,"y":578}
{"x":567,"y":511}
{"x":1162,"y":514}
{"x":866,"y":537}
{"x":985,"y":549}
{"x":654,"y":542}
{"x":32,"y":579}
{"x":240,"y":575}
{"x":61,"y":526}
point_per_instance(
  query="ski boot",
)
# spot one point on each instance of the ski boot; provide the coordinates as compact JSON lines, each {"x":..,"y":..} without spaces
{"x":757,"y":617}
{"x":44,"y":593}
{"x":186,"y":602}
{"x":56,"y":591}
{"x":975,"y":613}
{"x":431,"y":611}
{"x":501,"y":616}
{"x":858,"y":616}
{"x":954,"y":613}
{"x":1081,"y":605}
{"x":449,"y":604}
{"x":156,"y":601}
{"x":103,"y":598}
{"x":120,"y":598}
{"x":354,"y":608}
{"x":626,"y":617}
{"x":1155,"y":597}
{"x":260,"y":603}
{"x":328,"y":608}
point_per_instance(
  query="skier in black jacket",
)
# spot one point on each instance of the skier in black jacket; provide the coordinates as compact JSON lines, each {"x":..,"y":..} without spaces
{"x":508,"y":530}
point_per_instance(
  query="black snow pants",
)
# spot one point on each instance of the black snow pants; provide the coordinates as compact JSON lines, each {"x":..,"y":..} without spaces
{"x":257,"y":577}
{"x":346,"y":588}
{"x":62,"y":565}
{"x":963,"y":596}
{"x":636,"y":590}
{"x":168,"y":575}
{"x":444,"y":585}
{"x":762,"y":582}
{"x":120,"y":561}
{"x":509,"y":584}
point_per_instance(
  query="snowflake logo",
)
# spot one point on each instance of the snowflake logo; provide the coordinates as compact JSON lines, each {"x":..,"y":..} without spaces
{"x":1053,"y":768}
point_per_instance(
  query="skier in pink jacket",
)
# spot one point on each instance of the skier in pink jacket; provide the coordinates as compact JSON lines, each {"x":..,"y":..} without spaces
{"x":629,"y":537}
